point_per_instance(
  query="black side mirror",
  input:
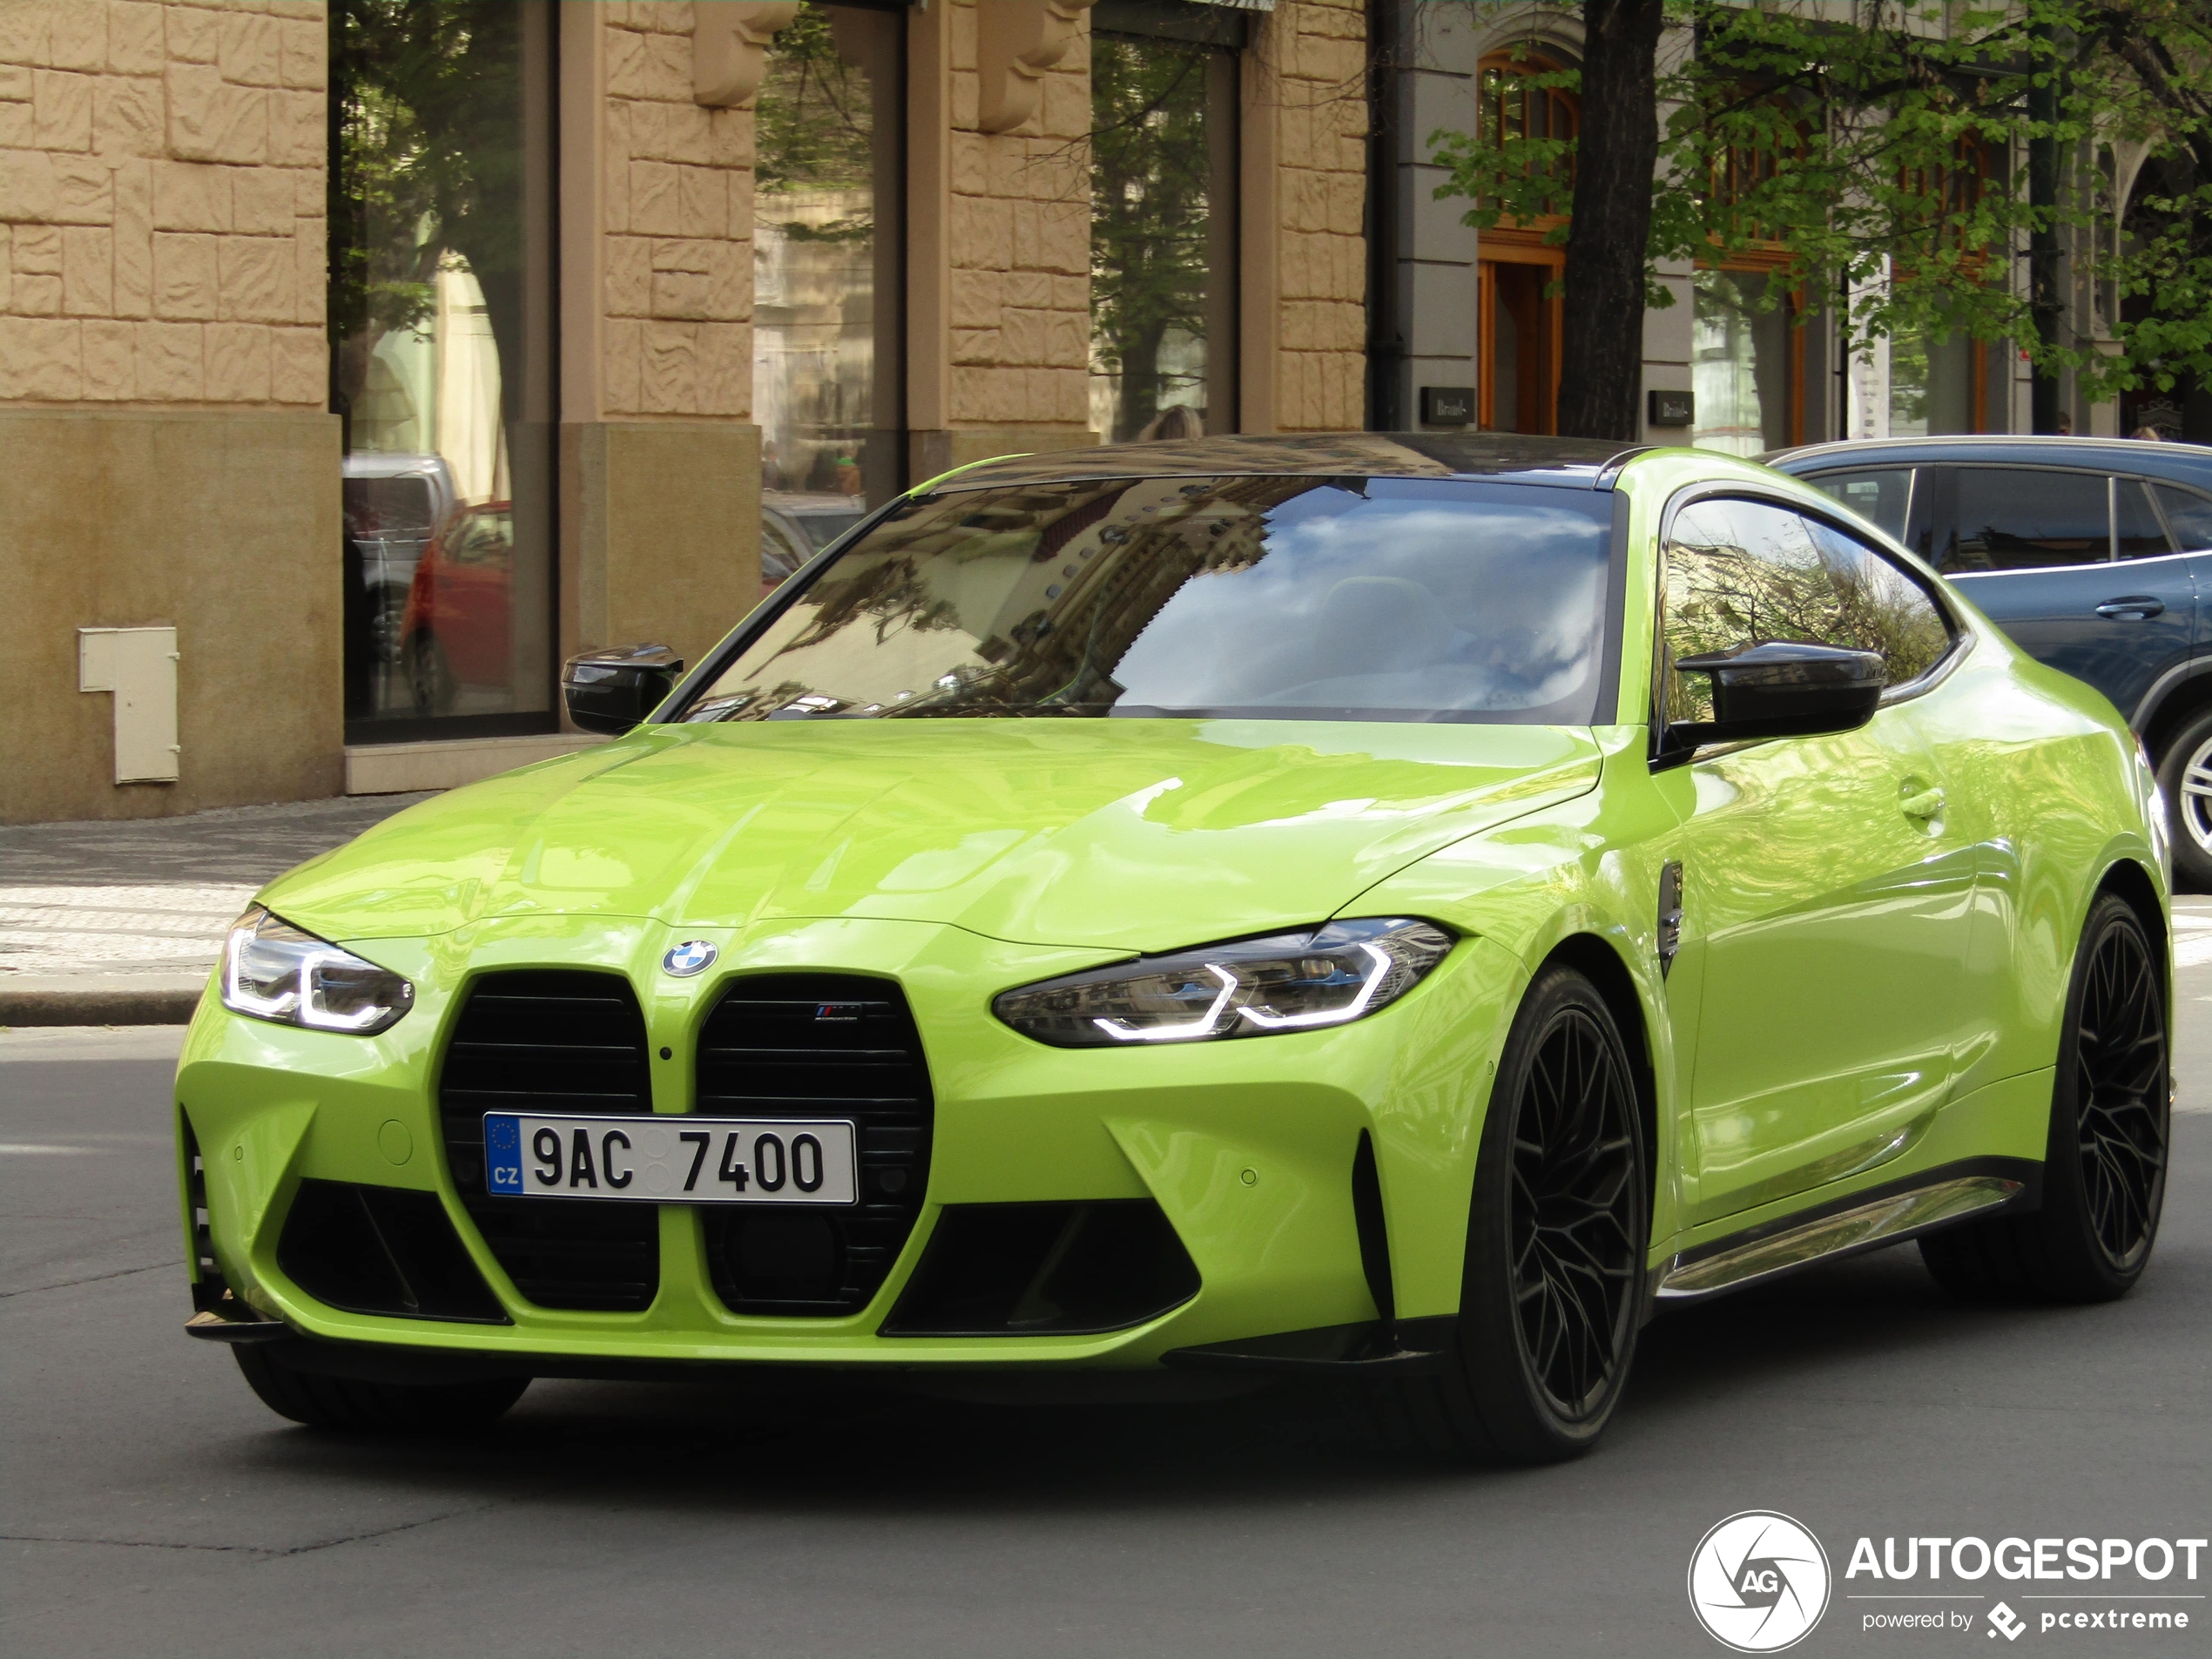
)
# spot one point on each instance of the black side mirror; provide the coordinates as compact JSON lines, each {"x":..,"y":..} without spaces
{"x":1779,"y":688}
{"x":613,"y":689}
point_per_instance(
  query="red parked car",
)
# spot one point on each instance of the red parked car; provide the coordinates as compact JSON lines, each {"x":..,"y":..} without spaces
{"x":455,"y":632}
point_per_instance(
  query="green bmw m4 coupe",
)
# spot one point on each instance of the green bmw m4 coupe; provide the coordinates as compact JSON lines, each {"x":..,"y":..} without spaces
{"x":1399,"y":908}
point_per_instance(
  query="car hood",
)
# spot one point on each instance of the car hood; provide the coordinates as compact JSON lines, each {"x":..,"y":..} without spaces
{"x":1125,"y":834}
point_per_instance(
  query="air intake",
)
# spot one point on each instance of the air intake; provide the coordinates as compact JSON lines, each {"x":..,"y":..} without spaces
{"x":382,"y":1249}
{"x":552,"y":1041}
{"x":1038,"y":1270}
{"x":818,"y":1045}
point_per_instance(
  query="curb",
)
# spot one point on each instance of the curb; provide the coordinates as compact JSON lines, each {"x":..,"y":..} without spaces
{"x":162,"y":1001}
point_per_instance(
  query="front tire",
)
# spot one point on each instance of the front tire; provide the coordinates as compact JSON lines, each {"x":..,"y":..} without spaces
{"x":2185,"y":778}
{"x":357,"y":1407}
{"x":1556,"y":1240}
{"x":2104,"y":1166}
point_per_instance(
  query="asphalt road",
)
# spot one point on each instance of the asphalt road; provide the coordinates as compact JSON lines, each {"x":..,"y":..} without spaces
{"x":150,"y":1505}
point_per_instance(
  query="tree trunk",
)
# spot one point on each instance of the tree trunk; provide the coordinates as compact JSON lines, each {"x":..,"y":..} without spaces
{"x":2046,"y":303}
{"x":1602,"y":353}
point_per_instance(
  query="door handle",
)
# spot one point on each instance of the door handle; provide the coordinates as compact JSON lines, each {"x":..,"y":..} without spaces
{"x":2140,"y":609}
{"x":1928,"y":805}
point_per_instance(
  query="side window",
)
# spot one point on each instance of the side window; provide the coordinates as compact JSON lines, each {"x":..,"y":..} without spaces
{"x":1740,"y":572}
{"x":2188,"y":516}
{"x":2024,"y":518}
{"x":1882,"y":495}
{"x":2135,"y":526}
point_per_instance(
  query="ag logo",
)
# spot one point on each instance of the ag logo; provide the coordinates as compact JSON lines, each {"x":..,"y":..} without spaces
{"x":1758,"y":1582}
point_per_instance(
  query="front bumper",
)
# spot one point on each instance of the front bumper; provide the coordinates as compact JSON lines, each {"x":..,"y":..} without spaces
{"x":1247,"y":1147}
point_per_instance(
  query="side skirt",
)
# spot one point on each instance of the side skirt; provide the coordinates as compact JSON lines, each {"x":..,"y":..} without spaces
{"x":1970,"y":1189}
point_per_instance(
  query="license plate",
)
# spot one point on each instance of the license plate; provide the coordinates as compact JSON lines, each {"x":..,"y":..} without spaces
{"x":660,"y":1159}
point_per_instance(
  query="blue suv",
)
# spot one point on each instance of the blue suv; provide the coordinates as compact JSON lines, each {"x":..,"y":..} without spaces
{"x":2094,"y":554}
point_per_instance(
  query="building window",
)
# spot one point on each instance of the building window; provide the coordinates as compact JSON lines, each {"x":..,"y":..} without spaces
{"x":1164,"y":219}
{"x":1746,"y":354}
{"x":1519,"y":318}
{"x":441,"y":318}
{"x":1939,"y":381}
{"x":1747,"y":365}
{"x":828,"y":182}
{"x":1937,"y":385}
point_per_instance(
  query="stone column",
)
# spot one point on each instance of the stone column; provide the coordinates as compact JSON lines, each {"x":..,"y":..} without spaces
{"x":660,"y":459}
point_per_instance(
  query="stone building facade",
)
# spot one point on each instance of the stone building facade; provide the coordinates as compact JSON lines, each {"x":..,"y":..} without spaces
{"x":169,"y":415}
{"x":164,"y":455}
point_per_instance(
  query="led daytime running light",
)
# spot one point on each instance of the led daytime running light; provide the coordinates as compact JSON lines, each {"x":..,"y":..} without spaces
{"x":1204,"y":1026}
{"x":274,"y":971}
{"x":1327,"y":976}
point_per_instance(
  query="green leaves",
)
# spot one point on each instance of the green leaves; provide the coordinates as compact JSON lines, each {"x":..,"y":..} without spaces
{"x":1886,"y":160}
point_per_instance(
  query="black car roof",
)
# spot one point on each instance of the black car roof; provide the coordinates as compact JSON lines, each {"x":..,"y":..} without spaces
{"x":1582,"y":462}
{"x":2183,"y":462}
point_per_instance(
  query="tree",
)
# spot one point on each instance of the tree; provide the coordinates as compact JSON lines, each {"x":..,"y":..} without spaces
{"x":1609,"y":223}
{"x":1878,"y":158}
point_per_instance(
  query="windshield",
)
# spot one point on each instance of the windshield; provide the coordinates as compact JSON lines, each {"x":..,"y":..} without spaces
{"x":1260,"y":598}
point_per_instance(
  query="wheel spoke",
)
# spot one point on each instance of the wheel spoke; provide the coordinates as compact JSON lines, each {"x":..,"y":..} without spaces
{"x":2120,"y":1071}
{"x":1575,"y":1211}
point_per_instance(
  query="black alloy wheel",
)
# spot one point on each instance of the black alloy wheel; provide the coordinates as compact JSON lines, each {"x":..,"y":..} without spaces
{"x":2120,"y":1095}
{"x":1556,"y":1239}
{"x":1574,"y":1228}
{"x":2104,"y":1167}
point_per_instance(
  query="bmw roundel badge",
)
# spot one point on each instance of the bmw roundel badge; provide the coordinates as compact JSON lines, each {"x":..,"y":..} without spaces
{"x":692,"y":956}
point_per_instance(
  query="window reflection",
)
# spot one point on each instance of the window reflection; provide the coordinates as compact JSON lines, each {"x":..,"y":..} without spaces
{"x":826,"y":273}
{"x":1739,"y":573}
{"x":1267,"y":597}
{"x":1740,"y":364}
{"x":1932,"y":385}
{"x":1163,"y":236}
{"x":440,"y":297}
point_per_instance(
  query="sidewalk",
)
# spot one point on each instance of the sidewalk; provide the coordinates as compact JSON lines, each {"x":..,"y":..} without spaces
{"x":117,"y":923}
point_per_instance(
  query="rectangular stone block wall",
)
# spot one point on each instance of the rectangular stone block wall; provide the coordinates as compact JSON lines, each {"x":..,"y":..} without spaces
{"x":1312,"y":65}
{"x":1019,"y":247}
{"x":161,"y":203}
{"x":676,"y":195}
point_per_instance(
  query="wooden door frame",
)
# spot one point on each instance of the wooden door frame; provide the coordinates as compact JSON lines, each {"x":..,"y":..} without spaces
{"x":1515,"y":245}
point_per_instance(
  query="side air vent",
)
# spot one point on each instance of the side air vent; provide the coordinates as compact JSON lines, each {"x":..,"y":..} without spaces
{"x":1038,"y":1270}
{"x":382,"y":1249}
{"x":208,"y":1288}
{"x":818,"y":1045}
{"x":535,"y":1039}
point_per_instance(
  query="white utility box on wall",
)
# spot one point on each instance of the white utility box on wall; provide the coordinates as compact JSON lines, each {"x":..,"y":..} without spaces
{"x":140,"y":665}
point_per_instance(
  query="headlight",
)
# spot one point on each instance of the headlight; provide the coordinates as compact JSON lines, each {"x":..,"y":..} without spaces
{"x":1248,"y":988}
{"x":273,"y":971}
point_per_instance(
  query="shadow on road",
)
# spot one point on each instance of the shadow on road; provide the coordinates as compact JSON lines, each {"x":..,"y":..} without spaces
{"x":814,"y":1447}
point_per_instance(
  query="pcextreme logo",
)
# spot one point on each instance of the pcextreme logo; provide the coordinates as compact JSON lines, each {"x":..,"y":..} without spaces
{"x":1758,"y":1581}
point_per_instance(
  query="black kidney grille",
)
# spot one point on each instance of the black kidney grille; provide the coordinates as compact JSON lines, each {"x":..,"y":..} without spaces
{"x":545,"y":1040}
{"x":818,"y":1045}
